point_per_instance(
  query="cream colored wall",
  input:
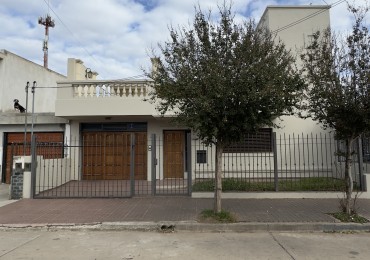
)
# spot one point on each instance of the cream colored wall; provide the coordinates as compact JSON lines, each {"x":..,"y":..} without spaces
{"x":76,"y":70}
{"x":297,"y":35}
{"x":87,"y":107}
{"x":51,"y":173}
{"x":295,"y":38}
{"x":15,"y":71}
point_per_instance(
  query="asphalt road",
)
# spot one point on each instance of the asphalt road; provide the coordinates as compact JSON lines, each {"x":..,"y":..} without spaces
{"x":124,"y":245}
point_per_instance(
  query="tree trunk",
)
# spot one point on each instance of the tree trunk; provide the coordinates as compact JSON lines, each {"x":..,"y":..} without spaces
{"x":218,"y":178}
{"x":348,"y":176}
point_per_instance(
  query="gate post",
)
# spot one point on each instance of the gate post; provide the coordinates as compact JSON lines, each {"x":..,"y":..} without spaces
{"x":274,"y":147}
{"x":132,"y":165}
{"x":189,"y":163}
{"x":33,"y":165}
{"x":154,"y":164}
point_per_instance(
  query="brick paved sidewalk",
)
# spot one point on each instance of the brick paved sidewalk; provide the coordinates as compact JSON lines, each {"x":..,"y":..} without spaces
{"x":156,"y":209}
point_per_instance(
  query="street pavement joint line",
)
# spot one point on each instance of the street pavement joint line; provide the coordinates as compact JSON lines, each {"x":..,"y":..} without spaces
{"x":281,"y":245}
{"x":25,"y":243}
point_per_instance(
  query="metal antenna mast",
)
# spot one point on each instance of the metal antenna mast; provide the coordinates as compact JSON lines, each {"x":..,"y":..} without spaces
{"x":47,"y":22}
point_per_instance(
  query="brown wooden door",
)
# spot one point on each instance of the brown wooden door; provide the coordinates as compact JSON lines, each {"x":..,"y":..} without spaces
{"x":107,"y":155}
{"x":174,"y":149}
{"x":49,"y":145}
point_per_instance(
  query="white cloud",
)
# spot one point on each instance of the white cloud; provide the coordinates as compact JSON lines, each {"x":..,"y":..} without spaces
{"x":114,"y":37}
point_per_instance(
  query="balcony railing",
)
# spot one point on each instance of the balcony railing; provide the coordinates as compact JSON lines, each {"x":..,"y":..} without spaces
{"x":111,"y":89}
{"x":104,"y":98}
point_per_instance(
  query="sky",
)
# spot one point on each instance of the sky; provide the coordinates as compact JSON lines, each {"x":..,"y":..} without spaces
{"x":116,"y":37}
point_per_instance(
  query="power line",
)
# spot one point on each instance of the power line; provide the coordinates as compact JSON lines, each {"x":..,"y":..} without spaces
{"x":308,"y":17}
{"x":141,"y":76}
{"x":50,"y":8}
{"x":61,"y":21}
{"x":112,"y":81}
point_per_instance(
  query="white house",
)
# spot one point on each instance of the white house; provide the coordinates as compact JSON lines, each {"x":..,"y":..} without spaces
{"x":118,"y":139}
{"x":102,"y":138}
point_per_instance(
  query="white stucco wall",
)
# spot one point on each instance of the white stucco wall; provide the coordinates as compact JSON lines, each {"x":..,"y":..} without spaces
{"x":15,"y":71}
{"x":293,"y":25}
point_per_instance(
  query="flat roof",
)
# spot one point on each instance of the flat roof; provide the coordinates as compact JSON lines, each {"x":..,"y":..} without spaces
{"x":293,"y":7}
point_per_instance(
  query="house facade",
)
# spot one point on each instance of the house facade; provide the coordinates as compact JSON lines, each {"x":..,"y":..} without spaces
{"x":105,"y":138}
{"x":16,"y":125}
{"x":15,"y":72}
{"x":116,"y":137}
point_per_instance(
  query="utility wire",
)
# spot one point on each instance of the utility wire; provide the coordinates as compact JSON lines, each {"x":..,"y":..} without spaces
{"x":74,"y":36}
{"x":50,"y":8}
{"x":308,"y":17}
{"x":140,"y":76}
{"x":112,"y":81}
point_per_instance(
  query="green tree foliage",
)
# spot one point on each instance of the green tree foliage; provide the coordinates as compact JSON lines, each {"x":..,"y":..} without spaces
{"x":223,"y":80}
{"x":338,"y":71}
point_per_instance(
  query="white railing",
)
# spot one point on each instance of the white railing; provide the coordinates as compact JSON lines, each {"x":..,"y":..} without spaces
{"x":111,"y":89}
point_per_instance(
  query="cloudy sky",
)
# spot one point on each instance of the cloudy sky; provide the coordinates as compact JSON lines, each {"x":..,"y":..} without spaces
{"x":114,"y":37}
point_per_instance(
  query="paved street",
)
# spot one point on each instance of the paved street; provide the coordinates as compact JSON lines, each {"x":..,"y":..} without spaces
{"x":66,"y":244}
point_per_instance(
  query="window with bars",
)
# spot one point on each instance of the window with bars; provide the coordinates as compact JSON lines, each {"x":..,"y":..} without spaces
{"x":253,"y":143}
{"x":201,"y":156}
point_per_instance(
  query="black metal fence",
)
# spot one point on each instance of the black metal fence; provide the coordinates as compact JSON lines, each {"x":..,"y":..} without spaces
{"x":305,"y":162}
{"x":177,"y":163}
{"x":114,"y":165}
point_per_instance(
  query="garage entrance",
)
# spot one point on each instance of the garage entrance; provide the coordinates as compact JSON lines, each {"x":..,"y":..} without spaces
{"x":14,"y":146}
{"x":114,"y":164}
{"x":107,"y":155}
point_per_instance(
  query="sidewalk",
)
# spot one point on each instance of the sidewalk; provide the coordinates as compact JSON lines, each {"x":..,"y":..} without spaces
{"x":182,"y":212}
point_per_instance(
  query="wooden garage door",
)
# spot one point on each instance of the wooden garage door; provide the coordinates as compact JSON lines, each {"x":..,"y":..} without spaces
{"x":49,"y":145}
{"x":107,"y":155}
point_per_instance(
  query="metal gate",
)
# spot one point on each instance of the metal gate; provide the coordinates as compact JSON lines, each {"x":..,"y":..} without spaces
{"x":109,"y":165}
{"x":171,"y":163}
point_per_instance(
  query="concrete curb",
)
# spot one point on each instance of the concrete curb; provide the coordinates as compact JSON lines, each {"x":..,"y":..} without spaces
{"x":192,"y":226}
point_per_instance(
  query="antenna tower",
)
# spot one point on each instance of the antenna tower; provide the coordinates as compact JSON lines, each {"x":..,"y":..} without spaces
{"x":47,"y":22}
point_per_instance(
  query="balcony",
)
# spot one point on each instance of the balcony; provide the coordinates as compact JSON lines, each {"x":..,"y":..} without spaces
{"x":76,"y":99}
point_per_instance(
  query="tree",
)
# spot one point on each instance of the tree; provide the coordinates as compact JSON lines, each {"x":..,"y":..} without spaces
{"x":338,"y":96}
{"x":224,"y":80}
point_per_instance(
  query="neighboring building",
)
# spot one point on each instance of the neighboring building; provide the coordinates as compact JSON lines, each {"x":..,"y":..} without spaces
{"x":15,"y":72}
{"x":294,"y":25}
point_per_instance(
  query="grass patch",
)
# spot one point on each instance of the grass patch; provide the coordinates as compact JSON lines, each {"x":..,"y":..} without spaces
{"x":354,"y":218}
{"x":208,"y":215}
{"x":304,"y":184}
{"x":312,"y":184}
